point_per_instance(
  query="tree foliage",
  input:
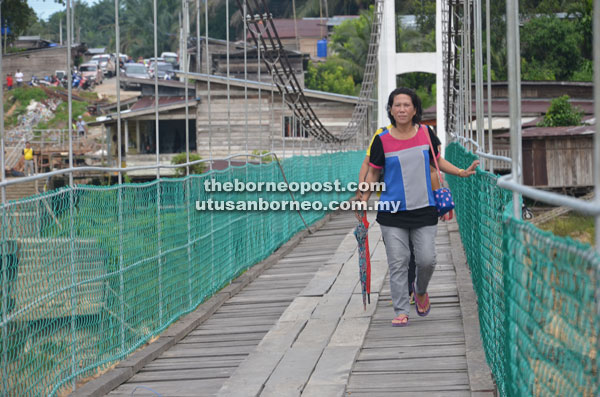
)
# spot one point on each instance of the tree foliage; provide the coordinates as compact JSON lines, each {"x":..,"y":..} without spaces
{"x":561,"y":113}
{"x":181,"y":158}
{"x":552,"y":44}
{"x":552,"y":48}
{"x":17,"y":16}
{"x":350,"y":45}
{"x":329,"y":77}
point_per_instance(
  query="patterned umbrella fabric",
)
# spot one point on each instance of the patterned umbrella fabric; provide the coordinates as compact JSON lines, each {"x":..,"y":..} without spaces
{"x":361,"y":232}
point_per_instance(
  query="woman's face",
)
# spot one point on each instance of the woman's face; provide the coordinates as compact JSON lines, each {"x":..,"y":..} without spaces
{"x":403,"y":109}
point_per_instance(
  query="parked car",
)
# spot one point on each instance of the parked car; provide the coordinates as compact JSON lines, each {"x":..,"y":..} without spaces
{"x":107,"y":64}
{"x":135,"y":71}
{"x":172,"y":58}
{"x":149,"y":61}
{"x":165,"y":70}
{"x":91,"y":71}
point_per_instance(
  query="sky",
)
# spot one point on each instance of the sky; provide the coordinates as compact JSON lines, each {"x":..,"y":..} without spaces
{"x":48,"y":7}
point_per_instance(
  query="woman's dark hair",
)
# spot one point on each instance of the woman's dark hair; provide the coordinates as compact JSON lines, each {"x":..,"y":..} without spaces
{"x":416,"y":101}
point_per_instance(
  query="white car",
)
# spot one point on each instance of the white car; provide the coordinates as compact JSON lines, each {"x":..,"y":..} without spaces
{"x":106,"y":63}
{"x":171,"y":58}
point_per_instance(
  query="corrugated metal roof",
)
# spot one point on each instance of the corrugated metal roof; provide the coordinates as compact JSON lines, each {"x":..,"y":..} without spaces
{"x":542,"y":132}
{"x":147,"y":102}
{"x":533,"y":123}
{"x":528,"y":107}
{"x":338,"y":19}
{"x":316,"y":28}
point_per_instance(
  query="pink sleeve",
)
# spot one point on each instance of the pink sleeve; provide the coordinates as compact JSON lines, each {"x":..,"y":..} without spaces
{"x":375,"y":166}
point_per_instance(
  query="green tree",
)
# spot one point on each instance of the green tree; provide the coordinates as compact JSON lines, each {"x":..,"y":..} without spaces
{"x":536,"y":71}
{"x":553,"y":44}
{"x":425,"y":13}
{"x":330,"y":77}
{"x":412,"y":40}
{"x":561,"y":113}
{"x":181,"y":159}
{"x":350,"y":44}
{"x":583,"y":13}
{"x":17,"y":16}
{"x":137,"y":32}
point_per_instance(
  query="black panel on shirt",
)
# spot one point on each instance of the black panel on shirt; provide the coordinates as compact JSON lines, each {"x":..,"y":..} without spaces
{"x":377,"y":155}
{"x":411,"y":219}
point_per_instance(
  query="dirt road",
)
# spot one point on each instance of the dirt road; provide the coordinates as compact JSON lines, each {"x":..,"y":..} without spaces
{"x":109,"y":89}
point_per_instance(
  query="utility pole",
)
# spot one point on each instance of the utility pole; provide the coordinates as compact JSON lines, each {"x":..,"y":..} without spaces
{"x":198,"y":49}
{"x":72,"y":32}
{"x":181,"y":53}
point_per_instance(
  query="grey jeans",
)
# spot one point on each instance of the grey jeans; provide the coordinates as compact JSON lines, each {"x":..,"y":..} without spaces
{"x":398,"y":256}
{"x":29,"y":169}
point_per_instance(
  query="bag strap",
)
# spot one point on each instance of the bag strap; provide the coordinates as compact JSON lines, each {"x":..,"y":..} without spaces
{"x":441,"y":180}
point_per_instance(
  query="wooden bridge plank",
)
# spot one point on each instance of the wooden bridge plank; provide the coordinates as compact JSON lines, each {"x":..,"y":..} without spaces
{"x":300,"y":329}
{"x":243,"y":324}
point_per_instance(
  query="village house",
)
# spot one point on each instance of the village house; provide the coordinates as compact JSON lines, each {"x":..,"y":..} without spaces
{"x":265,"y":123}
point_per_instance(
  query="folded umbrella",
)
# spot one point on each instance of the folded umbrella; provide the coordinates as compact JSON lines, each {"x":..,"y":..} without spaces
{"x":361,"y":232}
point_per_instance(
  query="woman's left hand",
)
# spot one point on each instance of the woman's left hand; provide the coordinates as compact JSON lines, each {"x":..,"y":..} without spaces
{"x":469,"y":171}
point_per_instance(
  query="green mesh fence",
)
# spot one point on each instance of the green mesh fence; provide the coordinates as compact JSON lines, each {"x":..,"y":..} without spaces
{"x":536,"y":293}
{"x":90,"y":274}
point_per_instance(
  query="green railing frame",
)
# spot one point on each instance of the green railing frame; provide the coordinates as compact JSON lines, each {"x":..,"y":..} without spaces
{"x":81,"y":290}
{"x":536,"y":292}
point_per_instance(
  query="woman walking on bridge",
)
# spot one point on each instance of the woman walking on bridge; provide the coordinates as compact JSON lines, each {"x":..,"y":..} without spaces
{"x":407,"y":209}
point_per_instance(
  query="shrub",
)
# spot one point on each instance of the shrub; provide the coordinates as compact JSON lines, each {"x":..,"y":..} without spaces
{"x":561,"y":113}
{"x":585,"y":72}
{"x":27,"y":94}
{"x":264,"y":159}
{"x":181,"y":159}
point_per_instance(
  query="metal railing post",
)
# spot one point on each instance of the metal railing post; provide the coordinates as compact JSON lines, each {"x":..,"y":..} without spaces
{"x":157,"y":146}
{"x":3,"y":244}
{"x":489,"y":81}
{"x":514,"y":97}
{"x":479,"y":79}
{"x":596,"y":41}
{"x":120,"y":177}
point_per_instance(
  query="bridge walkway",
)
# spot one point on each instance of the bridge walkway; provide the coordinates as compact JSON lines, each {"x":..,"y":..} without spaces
{"x":300,"y":329}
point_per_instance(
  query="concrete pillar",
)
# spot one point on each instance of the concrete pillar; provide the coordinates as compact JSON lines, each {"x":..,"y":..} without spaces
{"x":138,"y":143}
{"x":439,"y":78}
{"x":108,"y":145}
{"x":392,"y":64}
{"x":126,"y":137}
{"x":387,"y":51}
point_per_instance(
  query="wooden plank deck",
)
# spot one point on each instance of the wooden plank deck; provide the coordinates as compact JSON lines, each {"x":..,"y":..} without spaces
{"x":300,"y":329}
{"x":200,"y":363}
{"x":427,"y":358}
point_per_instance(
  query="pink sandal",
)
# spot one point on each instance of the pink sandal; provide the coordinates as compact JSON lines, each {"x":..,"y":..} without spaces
{"x":400,"y":321}
{"x":419,"y":306}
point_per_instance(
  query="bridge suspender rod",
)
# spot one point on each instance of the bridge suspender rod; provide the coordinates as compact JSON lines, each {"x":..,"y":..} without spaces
{"x":489,"y":81}
{"x":208,"y":97}
{"x":228,"y":83}
{"x":3,"y":251}
{"x":514,"y":87}
{"x":280,"y":67}
{"x":479,"y":79}
{"x":276,"y":43}
{"x":596,"y":57}
{"x":120,"y":180}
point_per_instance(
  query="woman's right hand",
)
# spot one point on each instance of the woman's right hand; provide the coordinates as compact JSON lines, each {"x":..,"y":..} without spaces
{"x":356,"y":199}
